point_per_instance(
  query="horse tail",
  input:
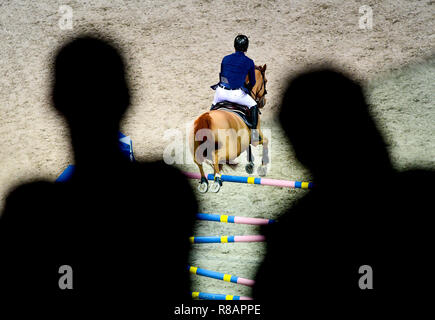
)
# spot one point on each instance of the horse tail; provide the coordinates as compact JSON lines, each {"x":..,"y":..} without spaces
{"x":203,"y":122}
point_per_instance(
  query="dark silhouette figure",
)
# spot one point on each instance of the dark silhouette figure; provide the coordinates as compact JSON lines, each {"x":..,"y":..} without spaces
{"x":122,"y":227}
{"x":359,"y":213}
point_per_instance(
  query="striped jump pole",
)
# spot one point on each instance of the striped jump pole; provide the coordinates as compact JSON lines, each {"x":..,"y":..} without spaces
{"x":233,"y":219}
{"x":220,"y":276}
{"x":254,"y":180}
{"x":227,"y":239}
{"x":217,"y":296}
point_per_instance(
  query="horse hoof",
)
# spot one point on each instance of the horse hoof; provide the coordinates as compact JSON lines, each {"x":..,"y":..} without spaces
{"x":203,"y":187}
{"x":215,"y":187}
{"x":262,"y":170}
{"x":249,"y":168}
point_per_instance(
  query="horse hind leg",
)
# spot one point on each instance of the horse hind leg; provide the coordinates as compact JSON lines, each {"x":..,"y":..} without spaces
{"x":250,"y":166}
{"x":217,"y":183}
{"x":203,"y":183}
{"x":262,"y":170}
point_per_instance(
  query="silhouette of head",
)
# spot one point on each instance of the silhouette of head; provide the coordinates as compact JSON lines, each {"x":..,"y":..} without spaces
{"x":89,"y":82}
{"x":326,"y":119}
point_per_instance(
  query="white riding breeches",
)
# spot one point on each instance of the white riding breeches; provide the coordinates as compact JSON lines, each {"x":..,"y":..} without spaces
{"x":236,"y":96}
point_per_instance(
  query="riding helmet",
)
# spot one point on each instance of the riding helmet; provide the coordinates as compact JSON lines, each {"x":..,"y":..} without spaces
{"x":241,"y":43}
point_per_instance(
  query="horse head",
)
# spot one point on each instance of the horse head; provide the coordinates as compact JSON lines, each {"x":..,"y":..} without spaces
{"x":259,"y":91}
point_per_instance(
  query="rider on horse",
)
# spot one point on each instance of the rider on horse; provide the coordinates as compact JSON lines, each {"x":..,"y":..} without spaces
{"x":232,"y":87}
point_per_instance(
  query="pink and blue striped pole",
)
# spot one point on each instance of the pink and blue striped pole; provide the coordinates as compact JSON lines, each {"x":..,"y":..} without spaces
{"x":220,"y":276}
{"x":227,"y":239}
{"x":233,"y":219}
{"x":254,"y":180}
{"x":217,"y":296}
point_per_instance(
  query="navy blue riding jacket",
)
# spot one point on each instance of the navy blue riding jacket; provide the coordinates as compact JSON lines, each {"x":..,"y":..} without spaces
{"x":234,"y":68}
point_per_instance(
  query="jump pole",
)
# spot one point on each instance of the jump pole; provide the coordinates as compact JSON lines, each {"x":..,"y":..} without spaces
{"x":233,"y":219}
{"x":254,"y":180}
{"x":227,"y":239}
{"x":220,"y":276}
{"x":217,"y":296}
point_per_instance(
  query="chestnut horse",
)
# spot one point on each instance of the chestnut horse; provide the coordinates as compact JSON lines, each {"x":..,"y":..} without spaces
{"x":221,"y":136}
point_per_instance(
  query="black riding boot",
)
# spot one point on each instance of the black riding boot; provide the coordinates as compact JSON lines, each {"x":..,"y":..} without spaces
{"x":254,"y":122}
{"x":254,"y":116}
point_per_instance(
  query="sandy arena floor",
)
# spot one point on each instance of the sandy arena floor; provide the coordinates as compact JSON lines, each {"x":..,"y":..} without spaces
{"x":174,"y":49}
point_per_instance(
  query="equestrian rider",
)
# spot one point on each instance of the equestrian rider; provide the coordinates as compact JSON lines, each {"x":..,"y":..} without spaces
{"x":234,"y":69}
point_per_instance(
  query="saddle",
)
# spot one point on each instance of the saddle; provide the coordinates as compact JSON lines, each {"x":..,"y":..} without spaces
{"x":242,"y":111}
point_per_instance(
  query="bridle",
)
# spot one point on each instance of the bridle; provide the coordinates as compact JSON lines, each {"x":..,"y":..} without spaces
{"x":255,"y":96}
